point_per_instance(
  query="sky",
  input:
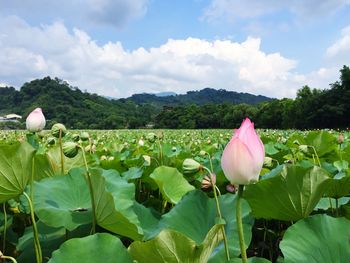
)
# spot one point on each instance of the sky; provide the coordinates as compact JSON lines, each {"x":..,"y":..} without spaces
{"x":118,"y":48}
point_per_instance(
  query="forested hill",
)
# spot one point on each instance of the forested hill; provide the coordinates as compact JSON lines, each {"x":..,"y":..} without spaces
{"x":201,"y":97}
{"x":69,"y":105}
{"x":208,"y":108}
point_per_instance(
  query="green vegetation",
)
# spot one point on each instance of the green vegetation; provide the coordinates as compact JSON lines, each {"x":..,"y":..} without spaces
{"x":151,"y":205}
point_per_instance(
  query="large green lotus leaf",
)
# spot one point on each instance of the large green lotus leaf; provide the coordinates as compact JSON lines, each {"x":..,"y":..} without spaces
{"x":196,"y":214}
{"x":171,"y":183}
{"x":323,"y":141}
{"x":174,"y":247}
{"x":317,"y":239}
{"x":54,"y":157}
{"x":250,"y":260}
{"x":15,"y":169}
{"x":330,"y":203}
{"x":338,"y":186}
{"x":43,"y":167}
{"x":101,"y":247}
{"x":290,"y":196}
{"x":114,"y":199}
{"x":149,"y":220}
{"x":63,"y":201}
{"x":50,"y":239}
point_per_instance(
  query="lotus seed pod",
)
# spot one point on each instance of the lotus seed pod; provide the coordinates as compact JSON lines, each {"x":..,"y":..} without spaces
{"x":151,"y":137}
{"x":84,"y":136}
{"x":51,"y":140}
{"x":173,"y":149}
{"x":147,"y":160}
{"x":70,"y":149}
{"x":55,"y":130}
{"x":90,"y":148}
{"x":191,"y":166}
{"x":75,"y":137}
{"x":268,"y":161}
{"x":202,"y":153}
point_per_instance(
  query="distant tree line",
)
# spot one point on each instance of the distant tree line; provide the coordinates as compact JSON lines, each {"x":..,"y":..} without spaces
{"x":312,"y":108}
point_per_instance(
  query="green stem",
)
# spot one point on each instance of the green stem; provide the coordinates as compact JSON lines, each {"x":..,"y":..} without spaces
{"x":219,"y":212}
{"x":160,"y":152}
{"x":88,"y":178}
{"x":8,"y":257}
{"x":318,"y":159}
{"x":61,"y":150}
{"x":5,"y":227}
{"x":240,"y":224}
{"x":336,"y":207}
{"x":37,"y":247}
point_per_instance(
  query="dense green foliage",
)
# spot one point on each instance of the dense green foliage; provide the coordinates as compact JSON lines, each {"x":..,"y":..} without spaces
{"x":312,"y":108}
{"x":208,"y":108}
{"x":150,"y":207}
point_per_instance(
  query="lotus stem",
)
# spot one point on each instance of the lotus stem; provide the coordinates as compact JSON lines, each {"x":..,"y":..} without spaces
{"x":219,"y":212}
{"x":88,"y":178}
{"x":240,"y":224}
{"x":37,"y":247}
{"x":5,"y":227}
{"x":61,"y":150}
{"x":8,"y":257}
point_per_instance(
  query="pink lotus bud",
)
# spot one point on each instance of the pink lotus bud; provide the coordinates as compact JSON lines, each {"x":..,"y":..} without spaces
{"x":340,"y":138}
{"x":206,"y":182}
{"x":35,"y":121}
{"x":231,"y":188}
{"x":243,"y":156}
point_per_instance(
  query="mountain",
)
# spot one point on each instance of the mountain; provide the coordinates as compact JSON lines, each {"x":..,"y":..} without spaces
{"x":80,"y":110}
{"x":165,"y":94}
{"x":201,"y":97}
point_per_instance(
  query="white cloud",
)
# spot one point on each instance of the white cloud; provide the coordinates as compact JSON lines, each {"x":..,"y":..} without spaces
{"x":113,"y":12}
{"x":339,"y":53}
{"x":234,"y":9}
{"x":178,"y":65}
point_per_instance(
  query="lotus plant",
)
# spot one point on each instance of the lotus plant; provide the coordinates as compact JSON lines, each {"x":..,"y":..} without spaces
{"x":35,"y":121}
{"x":242,"y":161}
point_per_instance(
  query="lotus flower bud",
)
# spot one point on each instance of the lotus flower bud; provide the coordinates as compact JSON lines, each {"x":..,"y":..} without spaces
{"x":111,"y":158}
{"x":191,"y":166}
{"x":70,"y":149}
{"x":303,"y":148}
{"x":103,"y":158}
{"x":35,"y":121}
{"x":141,"y":143}
{"x":230,"y":188}
{"x":340,"y":138}
{"x":84,"y":136}
{"x":206,"y":182}
{"x":56,"y":128}
{"x":243,"y":157}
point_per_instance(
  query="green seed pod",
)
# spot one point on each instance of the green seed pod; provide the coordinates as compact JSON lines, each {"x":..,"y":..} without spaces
{"x":75,"y":137}
{"x":55,"y":130}
{"x":70,"y":149}
{"x":151,"y":137}
{"x":84,"y":136}
{"x":51,"y":140}
{"x":191,"y":166}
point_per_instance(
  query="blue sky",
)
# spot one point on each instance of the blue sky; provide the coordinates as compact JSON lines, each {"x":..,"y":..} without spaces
{"x":117,"y":48}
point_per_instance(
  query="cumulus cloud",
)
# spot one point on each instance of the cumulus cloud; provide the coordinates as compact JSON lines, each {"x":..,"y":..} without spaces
{"x":235,"y":9}
{"x":113,"y":12}
{"x":29,"y":52}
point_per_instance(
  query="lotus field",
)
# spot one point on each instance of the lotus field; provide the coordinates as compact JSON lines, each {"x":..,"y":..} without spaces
{"x":153,"y":196}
